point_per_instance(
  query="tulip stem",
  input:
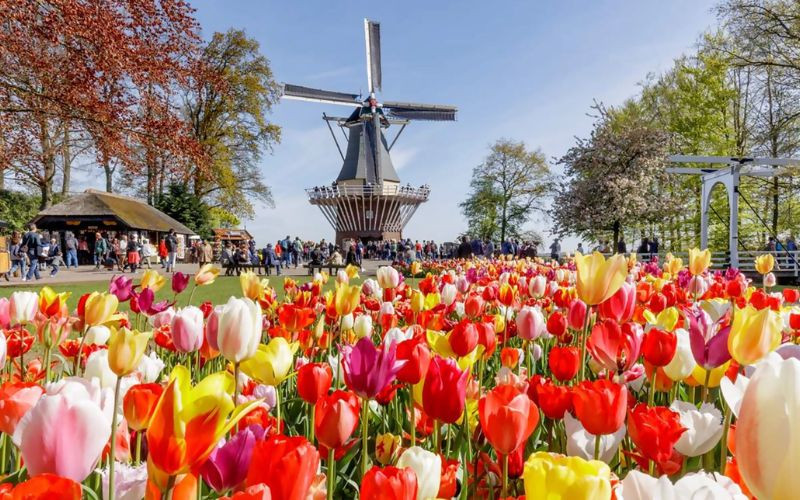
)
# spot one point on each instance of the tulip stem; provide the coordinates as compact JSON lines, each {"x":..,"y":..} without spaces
{"x":652,"y":393}
{"x":364,"y":436}
{"x":413,"y":416}
{"x":191,"y":294}
{"x":583,"y":342}
{"x":47,"y":365}
{"x":80,"y":351}
{"x":311,"y":418}
{"x":277,"y":405}
{"x":236,"y":382}
{"x":139,"y":446}
{"x":331,"y":472}
{"x":3,"y":451}
{"x":112,"y":458}
{"x":723,"y":454}
{"x":504,"y":491}
{"x":597,"y":446}
{"x":437,"y":437}
{"x":704,"y":399}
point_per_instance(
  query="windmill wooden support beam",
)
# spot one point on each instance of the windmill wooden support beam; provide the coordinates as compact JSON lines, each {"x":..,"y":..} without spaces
{"x":729,"y":177}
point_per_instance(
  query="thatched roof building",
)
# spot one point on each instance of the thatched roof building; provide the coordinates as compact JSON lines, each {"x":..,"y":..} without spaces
{"x":95,"y":210}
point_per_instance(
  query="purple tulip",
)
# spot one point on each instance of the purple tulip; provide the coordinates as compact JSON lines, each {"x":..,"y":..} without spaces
{"x":368,"y":369}
{"x":708,"y":340}
{"x":122,"y":287}
{"x":227,"y":465}
{"x":179,"y":282}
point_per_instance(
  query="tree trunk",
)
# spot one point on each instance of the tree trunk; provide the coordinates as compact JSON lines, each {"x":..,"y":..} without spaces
{"x":109,"y":171}
{"x":775,"y":201}
{"x":503,"y":224}
{"x":48,"y":164}
{"x":616,"y":235}
{"x":66,"y":162}
{"x":2,"y":178}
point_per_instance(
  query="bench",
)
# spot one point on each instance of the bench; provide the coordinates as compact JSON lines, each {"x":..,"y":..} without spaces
{"x":320,"y":267}
{"x":241,"y":267}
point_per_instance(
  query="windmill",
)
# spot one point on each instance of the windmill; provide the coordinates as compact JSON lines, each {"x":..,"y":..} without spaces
{"x":367,"y":201}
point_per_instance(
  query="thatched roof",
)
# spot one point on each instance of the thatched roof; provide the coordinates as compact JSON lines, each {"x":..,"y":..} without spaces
{"x":93,"y":204}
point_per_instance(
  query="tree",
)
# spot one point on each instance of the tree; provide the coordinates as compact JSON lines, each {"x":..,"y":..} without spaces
{"x":17,"y":209}
{"x":507,"y":187}
{"x":614,"y":179}
{"x":182,"y":205}
{"x":227,"y":107}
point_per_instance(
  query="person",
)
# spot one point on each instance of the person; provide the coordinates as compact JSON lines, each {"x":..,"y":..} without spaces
{"x":171,"y":242}
{"x":464,"y":249}
{"x":654,"y":246}
{"x":279,"y":252}
{"x":555,"y":249}
{"x":71,"y":247}
{"x":54,"y":258}
{"x":580,"y":248}
{"x":18,"y":256}
{"x":791,"y":245}
{"x":100,"y":250}
{"x":351,"y":258}
{"x":226,"y":259}
{"x":33,"y":245}
{"x":270,"y":260}
{"x":162,"y":253}
{"x":120,"y":251}
{"x":286,"y":246}
{"x":644,"y":247}
{"x":148,"y":251}
{"x":297,"y":250}
{"x":336,"y":257}
{"x":208,"y":252}
{"x":621,"y":248}
{"x":133,"y":255}
{"x":488,"y":249}
{"x":83,"y":251}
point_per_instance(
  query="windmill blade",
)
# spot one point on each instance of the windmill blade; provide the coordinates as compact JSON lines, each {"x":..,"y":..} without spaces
{"x":372,"y":37}
{"x":316,"y":95}
{"x":416,"y":111}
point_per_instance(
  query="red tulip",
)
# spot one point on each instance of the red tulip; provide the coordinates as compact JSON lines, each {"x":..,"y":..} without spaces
{"x":487,"y":337}
{"x":791,"y":295}
{"x":557,"y":324}
{"x":615,"y":347}
{"x":449,"y":482}
{"x":336,"y":418}
{"x":735,"y":288}
{"x":600,"y":405}
{"x":508,"y":417}
{"x":620,"y":306}
{"x":654,"y":430}
{"x":554,"y":400}
{"x":473,"y":306}
{"x":42,"y":487}
{"x":564,"y":362}
{"x":255,"y":492}
{"x":417,"y":356}
{"x":287,"y":465}
{"x":444,"y":390}
{"x":16,"y":398}
{"x":658,"y":347}
{"x":139,"y":404}
{"x":389,"y":483}
{"x":464,"y":338}
{"x":658,"y":302}
{"x":576,"y":316}
{"x":794,"y":321}
{"x":295,"y":318}
{"x":313,"y":381}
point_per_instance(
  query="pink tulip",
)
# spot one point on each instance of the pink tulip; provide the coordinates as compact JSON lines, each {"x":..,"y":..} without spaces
{"x":212,"y":327}
{"x":576,"y":316}
{"x":122,"y":287}
{"x":63,"y":434}
{"x":163,"y":318}
{"x":530,"y":323}
{"x":239,"y":330}
{"x":537,"y":286}
{"x":187,"y":329}
{"x":5,"y":313}
{"x":619,"y":306}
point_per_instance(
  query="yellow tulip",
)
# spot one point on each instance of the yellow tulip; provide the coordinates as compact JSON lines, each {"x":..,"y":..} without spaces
{"x":99,"y":308}
{"x":206,"y":275}
{"x":416,"y":268}
{"x":272,"y":362}
{"x":765,"y":263}
{"x":125,"y":350}
{"x":253,"y":287}
{"x":432,"y":300}
{"x":698,"y":376}
{"x":597,"y":278}
{"x":152,"y":280}
{"x":346,"y":298}
{"x":499,"y":323}
{"x":417,"y":301}
{"x":754,"y":334}
{"x":699,"y":261}
{"x":665,"y":320}
{"x":387,"y":448}
{"x":557,"y":477}
{"x":673,"y":265}
{"x":352,"y":271}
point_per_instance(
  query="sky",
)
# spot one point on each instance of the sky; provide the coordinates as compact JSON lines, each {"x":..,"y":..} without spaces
{"x":521,"y":70}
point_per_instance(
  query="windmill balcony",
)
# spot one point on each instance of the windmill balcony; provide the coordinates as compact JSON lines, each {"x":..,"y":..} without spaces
{"x":319,"y":194}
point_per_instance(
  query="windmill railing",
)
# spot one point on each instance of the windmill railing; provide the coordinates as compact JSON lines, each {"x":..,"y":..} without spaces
{"x":327,"y":192}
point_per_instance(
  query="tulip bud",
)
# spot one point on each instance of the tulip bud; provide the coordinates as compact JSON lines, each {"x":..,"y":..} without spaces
{"x":428,"y":468}
{"x":417,"y":301}
{"x":448,"y":294}
{"x":770,"y":280}
{"x":577,"y":314}
{"x":98,"y":334}
{"x":125,"y":350}
{"x":530,"y":323}
{"x":187,"y":329}
{"x":342,"y":277}
{"x":387,"y":277}
{"x":387,"y":448}
{"x":462,"y":284}
{"x":473,"y":306}
{"x":347,"y":322}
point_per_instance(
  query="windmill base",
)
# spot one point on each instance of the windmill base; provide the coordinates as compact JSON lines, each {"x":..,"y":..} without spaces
{"x":366,"y":236}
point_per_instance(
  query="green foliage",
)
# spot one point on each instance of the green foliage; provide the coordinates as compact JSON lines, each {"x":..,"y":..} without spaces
{"x":18,"y":208}
{"x":506,"y":188}
{"x":219,"y":217}
{"x":187,"y":208}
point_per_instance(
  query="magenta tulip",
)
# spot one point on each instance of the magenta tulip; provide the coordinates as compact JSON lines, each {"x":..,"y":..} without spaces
{"x":368,"y":369}
{"x":179,"y":282}
{"x":121,"y":287}
{"x":227,"y":466}
{"x":708,"y":340}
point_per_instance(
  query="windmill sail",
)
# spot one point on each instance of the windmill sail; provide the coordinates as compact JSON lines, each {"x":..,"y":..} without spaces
{"x":415,"y":111}
{"x":372,"y":35}
{"x":317,"y":95}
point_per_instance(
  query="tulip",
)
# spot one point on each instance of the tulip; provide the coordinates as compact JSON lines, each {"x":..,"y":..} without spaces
{"x":130,"y":483}
{"x":564,"y":362}
{"x":754,"y":334}
{"x":770,"y":280}
{"x":98,"y":367}
{"x":767,"y":441}
{"x":387,"y":277}
{"x":139,"y":404}
{"x":600,"y":405}
{"x":530,"y":323}
{"x":699,"y":261}
{"x":22,"y":307}
{"x":428,"y":468}
{"x":473,"y":306}
{"x":444,"y":390}
{"x":557,"y":477}
{"x":696,"y":485}
{"x":346,"y":298}
{"x":46,"y":487}
{"x":708,"y":340}
{"x":615,"y":347}
{"x":52,"y":304}
{"x":99,"y":308}
{"x":253,"y":287}
{"x":389,"y":483}
{"x":536,"y":286}
{"x":287,"y":465}
{"x":599,"y":279}
{"x":187,"y":329}
{"x":98,"y":334}
{"x":387,"y":448}
{"x":362,"y":326}
{"x":206,"y":275}
{"x":83,"y":431}
{"x":463,"y":338}
{"x":417,"y":359}
{"x":295,"y":318}
{"x":620,"y":306}
{"x":239,"y":330}
{"x":255,"y":492}
{"x":271,"y":363}
{"x":336,"y":418}
{"x":16,"y":399}
{"x":703,"y":428}
{"x":314,"y":381}
{"x":510,"y":357}
{"x":507,"y":419}
{"x":179,"y":282}
{"x":149,"y":368}
{"x":188,"y":422}
{"x":683,"y":361}
{"x":582,"y":444}
{"x":227,"y":465}
{"x":5,"y":313}
{"x":152,"y":280}
{"x":654,"y":430}
{"x":557,"y":324}
{"x":367,"y":369}
{"x":659,"y":346}
{"x":125,"y":350}
{"x":764,"y":263}
{"x":448,"y":294}
{"x":554,"y":400}
{"x":576,"y":315}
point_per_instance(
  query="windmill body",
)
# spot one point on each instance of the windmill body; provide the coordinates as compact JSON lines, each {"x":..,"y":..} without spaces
{"x":367,"y":201}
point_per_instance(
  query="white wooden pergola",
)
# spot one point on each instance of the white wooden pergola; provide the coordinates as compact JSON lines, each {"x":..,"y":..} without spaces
{"x":728,"y":176}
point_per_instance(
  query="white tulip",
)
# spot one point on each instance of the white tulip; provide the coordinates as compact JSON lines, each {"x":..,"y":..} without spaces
{"x":98,"y":334}
{"x":347,"y":322}
{"x":581,"y":444}
{"x":22,"y":307}
{"x":371,"y":288}
{"x":683,"y":362}
{"x":733,"y":392}
{"x":703,"y":427}
{"x":695,"y":486}
{"x":239,"y":332}
{"x":397,"y":335}
{"x":448,"y":294}
{"x":97,"y":367}
{"x":388,"y":277}
{"x":428,"y":468}
{"x":149,"y":368}
{"x":363,"y":326}
{"x":130,"y":482}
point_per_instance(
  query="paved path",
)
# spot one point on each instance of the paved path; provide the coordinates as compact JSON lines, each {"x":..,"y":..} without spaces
{"x":85,"y":274}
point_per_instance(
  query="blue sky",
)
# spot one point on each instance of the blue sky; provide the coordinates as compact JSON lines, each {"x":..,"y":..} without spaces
{"x":524,"y":70}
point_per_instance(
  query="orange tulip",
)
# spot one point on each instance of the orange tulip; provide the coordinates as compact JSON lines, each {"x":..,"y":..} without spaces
{"x":139,"y":404}
{"x":16,"y":398}
{"x":42,"y":487}
{"x":295,"y":318}
{"x":599,"y":279}
{"x":507,"y":417}
{"x":52,"y":303}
